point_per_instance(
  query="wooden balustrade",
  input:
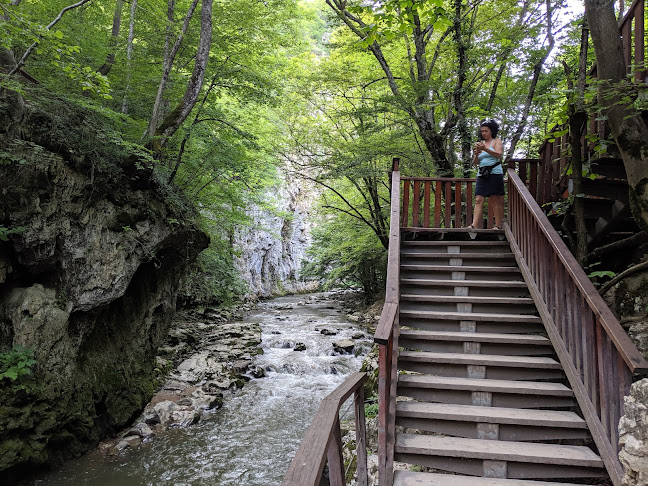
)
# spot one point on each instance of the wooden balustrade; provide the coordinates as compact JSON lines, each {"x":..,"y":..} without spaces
{"x":596,"y":353}
{"x":323,"y":440}
{"x":387,"y":339}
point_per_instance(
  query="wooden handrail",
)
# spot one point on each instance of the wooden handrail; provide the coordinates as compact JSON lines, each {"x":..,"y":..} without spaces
{"x":597,"y":355}
{"x":323,"y":440}
{"x":387,"y":339}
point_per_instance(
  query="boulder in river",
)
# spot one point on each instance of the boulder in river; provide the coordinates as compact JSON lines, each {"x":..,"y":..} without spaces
{"x":344,"y":346}
{"x":300,"y":347}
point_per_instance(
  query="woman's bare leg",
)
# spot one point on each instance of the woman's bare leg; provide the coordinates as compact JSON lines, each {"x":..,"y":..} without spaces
{"x":478,"y":213}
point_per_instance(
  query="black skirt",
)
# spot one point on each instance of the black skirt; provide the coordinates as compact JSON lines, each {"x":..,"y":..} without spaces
{"x":492,"y":185}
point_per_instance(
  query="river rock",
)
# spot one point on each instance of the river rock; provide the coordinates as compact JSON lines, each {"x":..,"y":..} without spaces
{"x":133,"y":441}
{"x":344,"y":346}
{"x":142,"y":430}
{"x":328,"y":332}
{"x":358,"y":335}
{"x":202,"y":400}
{"x":258,"y":372}
{"x":300,"y":347}
{"x":633,"y":435}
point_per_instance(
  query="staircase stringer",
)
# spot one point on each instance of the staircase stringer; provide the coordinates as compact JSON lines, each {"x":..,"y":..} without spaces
{"x":607,"y":450}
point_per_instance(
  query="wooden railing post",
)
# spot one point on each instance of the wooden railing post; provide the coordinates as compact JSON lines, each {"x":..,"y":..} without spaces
{"x":387,"y":338}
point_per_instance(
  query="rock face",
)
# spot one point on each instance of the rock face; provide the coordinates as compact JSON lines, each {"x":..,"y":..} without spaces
{"x":89,"y":280}
{"x":271,"y":252}
{"x":633,"y":435}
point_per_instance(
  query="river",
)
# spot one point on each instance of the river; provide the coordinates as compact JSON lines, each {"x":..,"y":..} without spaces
{"x":251,"y":440}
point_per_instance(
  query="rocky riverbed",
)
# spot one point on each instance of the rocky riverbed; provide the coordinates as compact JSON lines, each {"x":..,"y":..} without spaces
{"x":235,"y":385}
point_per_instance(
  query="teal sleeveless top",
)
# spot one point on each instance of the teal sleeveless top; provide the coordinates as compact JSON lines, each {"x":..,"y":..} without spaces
{"x":487,"y":159}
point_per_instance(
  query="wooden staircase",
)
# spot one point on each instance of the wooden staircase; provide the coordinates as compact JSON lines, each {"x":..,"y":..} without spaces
{"x":499,"y":362}
{"x":480,"y":392}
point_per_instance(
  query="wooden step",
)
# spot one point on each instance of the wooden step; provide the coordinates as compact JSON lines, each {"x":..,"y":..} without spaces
{"x":414,"y":478}
{"x":481,"y":360}
{"x":472,"y":316}
{"x":468,"y":299}
{"x":475,"y":337}
{"x":466,"y":256}
{"x":475,"y":342}
{"x":464,"y":283}
{"x":489,"y":457}
{"x":459,"y":268}
{"x":490,"y":415}
{"x":493,"y":423}
{"x":480,"y":365}
{"x":419,"y":243}
{"x":496,"y":393}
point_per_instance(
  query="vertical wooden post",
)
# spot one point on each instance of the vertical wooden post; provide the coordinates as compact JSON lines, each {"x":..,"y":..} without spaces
{"x":426,"y":205}
{"x":361,"y":438}
{"x":639,"y":54}
{"x":437,"y":204}
{"x":405,"y":217}
{"x":334,"y":456}
{"x":458,"y":206}
{"x":448,"y":204}
{"x":416,"y":204}
{"x":469,"y":203}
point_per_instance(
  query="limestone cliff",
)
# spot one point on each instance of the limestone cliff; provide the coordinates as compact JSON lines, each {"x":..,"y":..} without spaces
{"x":271,"y":251}
{"x":95,"y":249}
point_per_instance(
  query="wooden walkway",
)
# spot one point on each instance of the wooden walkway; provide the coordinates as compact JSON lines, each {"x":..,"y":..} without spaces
{"x":499,"y":362}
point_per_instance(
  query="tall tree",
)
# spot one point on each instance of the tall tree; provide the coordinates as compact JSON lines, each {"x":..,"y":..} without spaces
{"x":617,"y":95}
{"x":169,"y":56}
{"x":173,"y":121}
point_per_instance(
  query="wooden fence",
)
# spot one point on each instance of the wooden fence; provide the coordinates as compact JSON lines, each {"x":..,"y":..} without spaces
{"x":598,"y":357}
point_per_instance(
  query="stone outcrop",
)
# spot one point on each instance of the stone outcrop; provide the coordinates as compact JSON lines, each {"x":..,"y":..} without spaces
{"x":633,"y":435}
{"x":95,"y":248}
{"x":272,"y":249}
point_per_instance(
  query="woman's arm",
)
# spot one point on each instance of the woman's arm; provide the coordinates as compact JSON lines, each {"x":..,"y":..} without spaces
{"x":497,"y":149}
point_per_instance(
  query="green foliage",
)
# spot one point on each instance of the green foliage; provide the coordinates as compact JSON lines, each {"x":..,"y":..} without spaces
{"x":346,"y":253}
{"x":371,"y":410}
{"x":214,"y":279}
{"x":392,"y":18}
{"x":16,"y":364}
{"x":601,"y":273}
{"x":5,"y":232}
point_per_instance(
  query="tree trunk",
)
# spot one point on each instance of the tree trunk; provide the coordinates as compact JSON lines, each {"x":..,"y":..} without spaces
{"x":626,"y":124}
{"x":110,"y":57}
{"x":577,"y":126}
{"x":537,"y":69}
{"x":458,"y":95}
{"x":172,"y":122}
{"x":169,"y":56}
{"x":129,"y":55}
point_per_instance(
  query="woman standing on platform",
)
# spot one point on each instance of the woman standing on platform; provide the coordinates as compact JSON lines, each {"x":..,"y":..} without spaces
{"x":490,"y":180}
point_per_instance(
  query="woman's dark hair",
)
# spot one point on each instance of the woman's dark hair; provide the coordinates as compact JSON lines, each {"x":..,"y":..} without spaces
{"x":492,"y":124}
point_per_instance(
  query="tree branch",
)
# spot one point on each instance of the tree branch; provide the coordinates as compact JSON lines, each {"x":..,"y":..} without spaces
{"x":31,"y":48}
{"x":623,"y":275}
